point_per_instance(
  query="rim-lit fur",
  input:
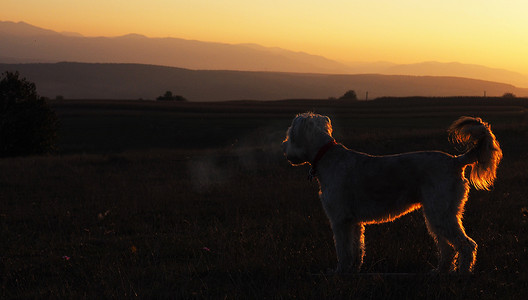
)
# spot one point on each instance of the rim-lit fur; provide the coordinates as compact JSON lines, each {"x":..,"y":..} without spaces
{"x":358,"y":189}
{"x":484,"y":152}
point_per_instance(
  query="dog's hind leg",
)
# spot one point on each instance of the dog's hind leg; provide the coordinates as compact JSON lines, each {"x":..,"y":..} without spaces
{"x":446,"y":253}
{"x":443,"y":206}
{"x":350,"y":246}
{"x":466,"y":248}
{"x":449,"y":231}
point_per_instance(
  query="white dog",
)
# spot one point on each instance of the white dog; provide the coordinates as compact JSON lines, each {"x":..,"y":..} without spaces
{"x":358,"y":189}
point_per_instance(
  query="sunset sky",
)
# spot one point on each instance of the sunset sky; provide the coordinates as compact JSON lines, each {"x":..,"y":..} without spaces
{"x":486,"y":32}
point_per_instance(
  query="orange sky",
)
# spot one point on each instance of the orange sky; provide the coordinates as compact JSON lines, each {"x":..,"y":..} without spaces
{"x":486,"y":32}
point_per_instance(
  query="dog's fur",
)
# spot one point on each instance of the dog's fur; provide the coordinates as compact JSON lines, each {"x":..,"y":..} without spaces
{"x":358,"y":189}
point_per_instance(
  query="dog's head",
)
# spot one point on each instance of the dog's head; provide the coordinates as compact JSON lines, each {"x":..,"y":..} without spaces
{"x":307,"y":133}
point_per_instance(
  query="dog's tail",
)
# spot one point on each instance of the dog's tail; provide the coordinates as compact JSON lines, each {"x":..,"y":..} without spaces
{"x":483,"y":151}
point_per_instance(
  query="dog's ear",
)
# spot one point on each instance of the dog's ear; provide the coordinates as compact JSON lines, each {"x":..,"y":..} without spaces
{"x":324,"y":125}
{"x":298,"y":122}
{"x":329,"y":125}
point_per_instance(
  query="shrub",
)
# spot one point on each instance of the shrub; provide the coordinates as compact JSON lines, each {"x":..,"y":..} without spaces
{"x":509,"y":95}
{"x":350,"y":95}
{"x":168,"y":96}
{"x":27,"y":124}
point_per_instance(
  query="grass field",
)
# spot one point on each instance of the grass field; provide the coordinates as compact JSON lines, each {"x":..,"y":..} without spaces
{"x":193,"y":200}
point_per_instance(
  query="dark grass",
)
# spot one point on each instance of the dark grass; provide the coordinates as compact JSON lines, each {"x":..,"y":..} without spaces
{"x":191,"y":200}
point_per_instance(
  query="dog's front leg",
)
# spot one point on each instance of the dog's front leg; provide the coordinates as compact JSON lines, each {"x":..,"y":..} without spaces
{"x":349,"y":243}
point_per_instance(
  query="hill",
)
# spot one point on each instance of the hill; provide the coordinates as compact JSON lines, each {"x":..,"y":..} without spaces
{"x":134,"y":81}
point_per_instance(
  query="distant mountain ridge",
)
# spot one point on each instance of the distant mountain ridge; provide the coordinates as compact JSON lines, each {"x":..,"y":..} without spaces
{"x":21,"y":42}
{"x":135,"y":81}
{"x":24,"y":29}
{"x":461,"y":70}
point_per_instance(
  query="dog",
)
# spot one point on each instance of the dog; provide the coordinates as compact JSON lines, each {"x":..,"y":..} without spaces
{"x":357,"y":189}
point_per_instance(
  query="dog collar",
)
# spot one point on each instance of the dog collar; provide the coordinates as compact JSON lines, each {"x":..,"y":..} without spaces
{"x":313,"y":171}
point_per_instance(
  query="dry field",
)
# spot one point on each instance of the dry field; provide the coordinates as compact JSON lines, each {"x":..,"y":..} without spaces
{"x":195,"y":200}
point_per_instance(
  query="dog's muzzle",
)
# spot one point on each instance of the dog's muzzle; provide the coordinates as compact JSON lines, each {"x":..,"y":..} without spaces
{"x":293,"y":160}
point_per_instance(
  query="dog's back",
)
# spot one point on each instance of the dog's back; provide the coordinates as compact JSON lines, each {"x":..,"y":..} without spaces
{"x":382,"y":188}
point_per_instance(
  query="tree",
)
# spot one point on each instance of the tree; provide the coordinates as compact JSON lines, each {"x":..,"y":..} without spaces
{"x":27,"y":124}
{"x":168,"y":96}
{"x":509,"y":95}
{"x":350,"y":95}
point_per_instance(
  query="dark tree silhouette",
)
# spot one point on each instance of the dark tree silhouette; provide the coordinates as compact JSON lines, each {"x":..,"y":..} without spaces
{"x":27,"y":123}
{"x":168,"y":96}
{"x":509,"y":95}
{"x":350,"y":95}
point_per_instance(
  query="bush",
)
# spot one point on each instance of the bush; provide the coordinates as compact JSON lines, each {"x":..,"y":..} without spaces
{"x":27,"y":124}
{"x":350,"y":95}
{"x":168,"y":96}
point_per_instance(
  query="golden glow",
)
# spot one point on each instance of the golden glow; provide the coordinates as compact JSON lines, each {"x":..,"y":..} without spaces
{"x":393,"y":216}
{"x":476,"y":135}
{"x":487,"y":32}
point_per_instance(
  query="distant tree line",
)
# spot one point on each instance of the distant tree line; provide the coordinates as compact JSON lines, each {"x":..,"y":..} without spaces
{"x":351,"y":95}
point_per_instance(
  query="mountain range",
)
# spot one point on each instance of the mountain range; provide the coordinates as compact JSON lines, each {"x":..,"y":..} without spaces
{"x":24,"y":43}
{"x":21,"y":42}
